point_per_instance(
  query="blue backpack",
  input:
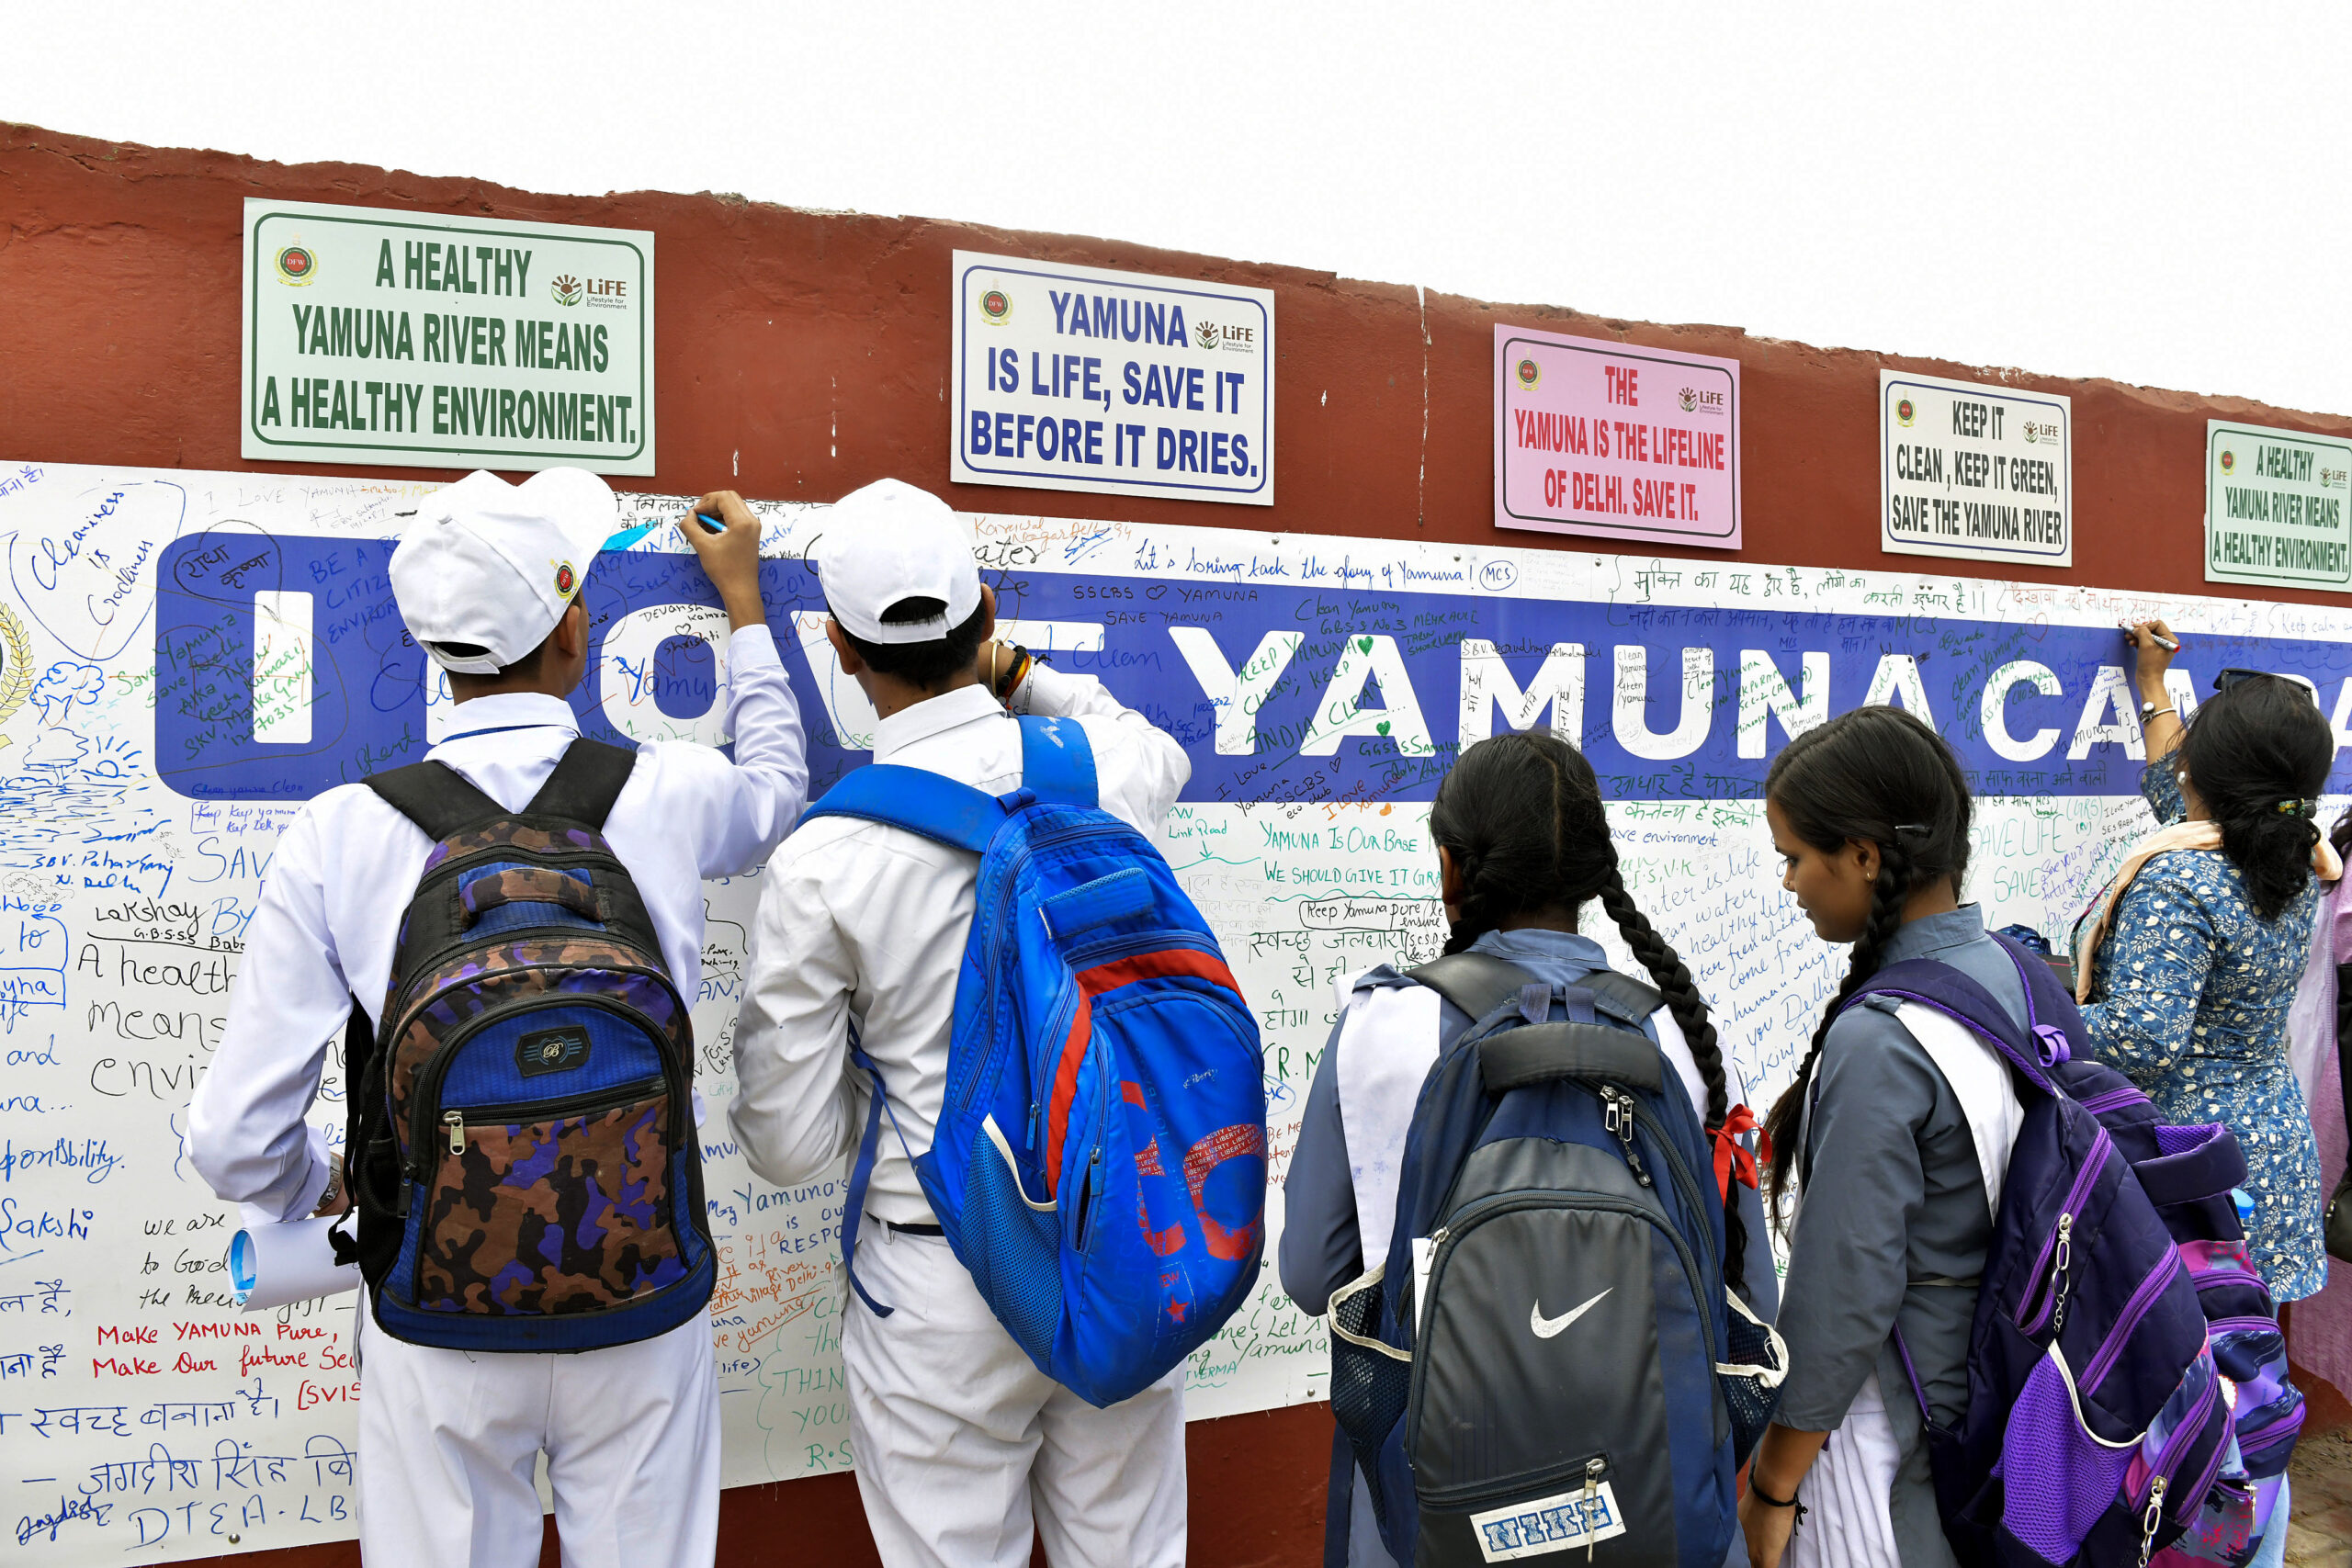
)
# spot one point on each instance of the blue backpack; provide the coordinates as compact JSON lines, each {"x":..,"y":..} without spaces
{"x":2093,"y":1378}
{"x":1100,"y":1162}
{"x":1546,"y":1361}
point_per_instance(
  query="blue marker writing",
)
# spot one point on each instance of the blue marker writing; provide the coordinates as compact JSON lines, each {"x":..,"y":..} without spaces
{"x":628,"y":536}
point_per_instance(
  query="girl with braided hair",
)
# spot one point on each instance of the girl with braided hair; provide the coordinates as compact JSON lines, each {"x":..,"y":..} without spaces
{"x":1869,"y":813}
{"x":1522,"y":844}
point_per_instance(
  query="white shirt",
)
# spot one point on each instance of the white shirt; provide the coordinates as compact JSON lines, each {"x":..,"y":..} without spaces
{"x":859,"y":919}
{"x":330,"y":911}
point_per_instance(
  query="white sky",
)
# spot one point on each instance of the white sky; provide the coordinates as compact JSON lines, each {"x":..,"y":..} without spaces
{"x":2153,"y":193}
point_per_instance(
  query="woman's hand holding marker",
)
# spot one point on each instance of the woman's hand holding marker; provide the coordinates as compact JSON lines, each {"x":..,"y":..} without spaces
{"x":2159,"y":716}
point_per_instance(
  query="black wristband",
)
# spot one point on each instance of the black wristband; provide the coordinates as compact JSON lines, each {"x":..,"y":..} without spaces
{"x":1009,"y":681}
{"x":1767,"y":1498}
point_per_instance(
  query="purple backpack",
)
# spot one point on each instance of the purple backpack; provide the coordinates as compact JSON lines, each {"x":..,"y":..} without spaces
{"x":2114,"y":1318}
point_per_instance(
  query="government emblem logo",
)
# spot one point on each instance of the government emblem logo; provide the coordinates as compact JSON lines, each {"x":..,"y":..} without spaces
{"x":2228,"y":460}
{"x":996,"y":307}
{"x":1529,"y":373}
{"x":297,"y":265}
{"x":1905,"y":414}
{"x":564,"y":580}
{"x":565,"y":290}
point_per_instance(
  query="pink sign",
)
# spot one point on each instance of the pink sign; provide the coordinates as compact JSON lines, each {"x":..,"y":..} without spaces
{"x":1616,"y":440}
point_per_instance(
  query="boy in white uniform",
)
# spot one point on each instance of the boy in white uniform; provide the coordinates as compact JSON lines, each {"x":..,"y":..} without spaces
{"x":961,"y":1444}
{"x":487,"y":578}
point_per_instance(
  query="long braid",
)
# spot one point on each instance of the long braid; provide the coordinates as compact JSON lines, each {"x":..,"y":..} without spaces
{"x":1479,"y":914}
{"x":1530,"y":839}
{"x":1785,"y":1123}
{"x":1673,"y":977}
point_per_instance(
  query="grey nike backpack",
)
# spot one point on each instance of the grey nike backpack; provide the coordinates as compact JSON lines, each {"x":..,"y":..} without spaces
{"x":1548,"y":1362}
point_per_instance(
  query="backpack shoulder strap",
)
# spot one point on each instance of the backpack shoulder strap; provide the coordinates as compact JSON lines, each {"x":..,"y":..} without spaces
{"x":588,"y":778}
{"x":1474,"y":982}
{"x":1622,"y":998}
{"x":2051,"y":1015}
{"x":1950,"y":992}
{"x":1058,"y":761}
{"x":918,"y":800}
{"x":434,"y":797}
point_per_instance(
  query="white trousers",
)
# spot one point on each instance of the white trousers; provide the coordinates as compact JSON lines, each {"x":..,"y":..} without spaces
{"x":449,"y":1443}
{"x":1847,"y":1523}
{"x":963,"y":1445}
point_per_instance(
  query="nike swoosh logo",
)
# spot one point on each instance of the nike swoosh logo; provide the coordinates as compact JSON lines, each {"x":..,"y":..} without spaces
{"x":1545,"y":1327}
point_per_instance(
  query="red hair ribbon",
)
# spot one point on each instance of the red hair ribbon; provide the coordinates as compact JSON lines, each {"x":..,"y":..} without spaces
{"x":1731,"y":1157}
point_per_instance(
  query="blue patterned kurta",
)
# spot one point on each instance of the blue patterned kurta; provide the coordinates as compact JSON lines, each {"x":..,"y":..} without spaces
{"x":2193,"y":989}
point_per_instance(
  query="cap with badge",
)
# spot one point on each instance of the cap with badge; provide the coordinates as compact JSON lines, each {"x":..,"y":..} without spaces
{"x":490,"y":566}
{"x":889,"y":542}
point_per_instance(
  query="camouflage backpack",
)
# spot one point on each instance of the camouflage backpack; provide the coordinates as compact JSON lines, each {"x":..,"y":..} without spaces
{"x":527,"y":1175}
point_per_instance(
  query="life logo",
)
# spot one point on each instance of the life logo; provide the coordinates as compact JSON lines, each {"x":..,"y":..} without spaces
{"x":2044,"y":432}
{"x":1235,"y":340}
{"x":565,"y":290}
{"x":1696,"y":400}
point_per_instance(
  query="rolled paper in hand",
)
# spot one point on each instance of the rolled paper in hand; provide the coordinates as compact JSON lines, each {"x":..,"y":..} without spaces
{"x":272,"y":1264}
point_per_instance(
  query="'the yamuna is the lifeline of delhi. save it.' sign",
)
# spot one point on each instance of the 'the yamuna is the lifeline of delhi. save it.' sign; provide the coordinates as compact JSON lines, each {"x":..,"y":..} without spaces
{"x":1615,"y":440}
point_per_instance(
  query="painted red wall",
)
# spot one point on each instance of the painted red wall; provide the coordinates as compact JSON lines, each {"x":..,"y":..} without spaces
{"x":802,"y":355}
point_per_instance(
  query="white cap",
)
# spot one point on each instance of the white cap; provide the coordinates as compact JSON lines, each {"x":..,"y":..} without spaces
{"x":888,"y":542}
{"x":496,"y":565}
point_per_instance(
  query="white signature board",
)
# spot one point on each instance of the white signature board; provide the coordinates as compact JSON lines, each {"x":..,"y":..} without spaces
{"x":187,"y":657}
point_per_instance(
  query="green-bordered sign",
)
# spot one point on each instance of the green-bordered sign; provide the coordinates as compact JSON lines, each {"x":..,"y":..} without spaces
{"x":2275,"y":506}
{"x":374,"y":335}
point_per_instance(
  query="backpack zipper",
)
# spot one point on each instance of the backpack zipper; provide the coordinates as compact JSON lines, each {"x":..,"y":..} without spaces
{"x":2060,"y":1276}
{"x":1592,"y":1469}
{"x":2127,"y":1320}
{"x":2152,"y":1518}
{"x":2228,"y":1275}
{"x":1580,"y":1474}
{"x":425,"y":1092}
{"x":550,"y":1110}
{"x":2113,"y":1100}
{"x":1619,"y":1119}
{"x":2093,"y":1167}
{"x":1689,"y":1186}
{"x":2181,"y":1437}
